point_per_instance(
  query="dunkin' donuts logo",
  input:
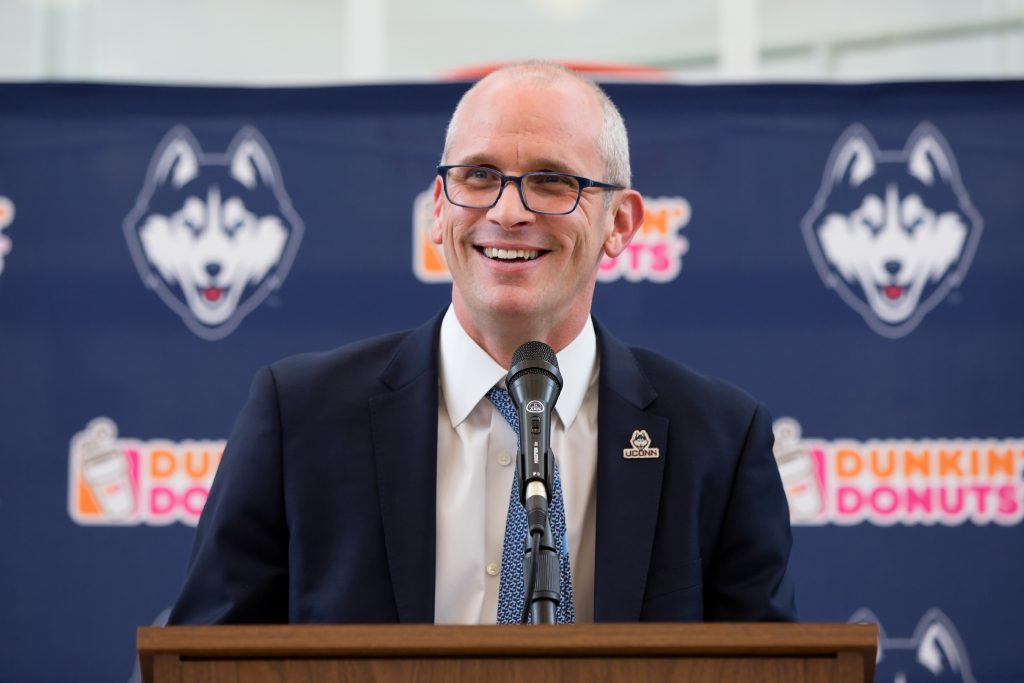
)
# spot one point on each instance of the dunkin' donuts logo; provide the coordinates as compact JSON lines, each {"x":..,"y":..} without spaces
{"x":657,"y":250}
{"x":900,"y":481}
{"x":6,"y":218}
{"x":655,"y":254}
{"x":116,"y":481}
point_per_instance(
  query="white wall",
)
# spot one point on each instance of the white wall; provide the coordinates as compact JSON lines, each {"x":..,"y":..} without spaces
{"x":333,"y":41}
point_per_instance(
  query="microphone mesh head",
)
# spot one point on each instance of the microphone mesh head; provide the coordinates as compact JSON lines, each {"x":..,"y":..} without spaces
{"x":535,"y":350}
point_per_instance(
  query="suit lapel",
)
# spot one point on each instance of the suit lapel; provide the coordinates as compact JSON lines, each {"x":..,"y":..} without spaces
{"x":404,"y":426}
{"x":628,"y":490}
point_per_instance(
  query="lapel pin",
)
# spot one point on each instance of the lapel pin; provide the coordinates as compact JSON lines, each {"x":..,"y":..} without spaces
{"x":640,"y":442}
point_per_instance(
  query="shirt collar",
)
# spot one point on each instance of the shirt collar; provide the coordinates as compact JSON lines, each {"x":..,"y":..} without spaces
{"x":468,"y":373}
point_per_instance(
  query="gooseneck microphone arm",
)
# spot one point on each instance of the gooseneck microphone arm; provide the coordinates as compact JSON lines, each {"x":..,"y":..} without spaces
{"x":534,"y":383}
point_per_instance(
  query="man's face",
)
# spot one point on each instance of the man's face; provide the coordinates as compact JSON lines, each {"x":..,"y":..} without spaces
{"x":516,"y":127}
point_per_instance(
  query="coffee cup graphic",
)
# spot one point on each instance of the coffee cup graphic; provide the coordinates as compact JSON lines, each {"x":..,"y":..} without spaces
{"x":105,"y":469}
{"x":796,"y":467}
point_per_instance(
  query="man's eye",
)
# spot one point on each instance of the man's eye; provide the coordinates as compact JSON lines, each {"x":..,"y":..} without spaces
{"x":553,"y":179}
{"x":552,"y":183}
{"x":477,"y":176}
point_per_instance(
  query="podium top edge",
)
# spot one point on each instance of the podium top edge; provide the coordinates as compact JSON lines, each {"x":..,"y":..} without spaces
{"x":402,"y":640}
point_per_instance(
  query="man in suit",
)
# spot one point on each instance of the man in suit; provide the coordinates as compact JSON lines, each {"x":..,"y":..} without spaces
{"x":372,"y":483}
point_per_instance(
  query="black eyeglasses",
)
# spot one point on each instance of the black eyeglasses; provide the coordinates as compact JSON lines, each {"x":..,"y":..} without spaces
{"x":546,"y":192}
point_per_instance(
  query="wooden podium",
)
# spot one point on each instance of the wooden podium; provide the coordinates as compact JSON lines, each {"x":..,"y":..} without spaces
{"x":794,"y":653}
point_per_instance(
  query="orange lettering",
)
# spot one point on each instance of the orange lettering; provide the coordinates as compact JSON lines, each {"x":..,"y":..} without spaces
{"x":949,"y":463}
{"x":655,"y":221}
{"x":1000,"y":463}
{"x":162,"y":464}
{"x":878,"y":469}
{"x":916,"y":463}
{"x":192,"y":469}
{"x":848,"y":463}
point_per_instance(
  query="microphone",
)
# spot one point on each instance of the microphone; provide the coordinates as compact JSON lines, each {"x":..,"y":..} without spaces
{"x":534,"y":383}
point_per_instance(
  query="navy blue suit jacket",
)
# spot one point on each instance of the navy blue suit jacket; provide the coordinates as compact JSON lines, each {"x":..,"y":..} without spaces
{"x":322,"y":510}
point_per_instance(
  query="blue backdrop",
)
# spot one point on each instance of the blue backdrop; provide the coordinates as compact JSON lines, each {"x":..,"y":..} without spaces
{"x":849,"y":254}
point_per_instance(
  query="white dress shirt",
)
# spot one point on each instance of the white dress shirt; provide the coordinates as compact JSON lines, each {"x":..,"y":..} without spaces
{"x":476,"y":454}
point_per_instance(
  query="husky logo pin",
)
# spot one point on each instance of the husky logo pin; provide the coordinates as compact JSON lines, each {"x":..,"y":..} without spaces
{"x":640,"y":441}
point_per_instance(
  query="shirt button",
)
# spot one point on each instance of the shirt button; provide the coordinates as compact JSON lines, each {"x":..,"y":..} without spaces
{"x":493,"y":569}
{"x":504,"y":459}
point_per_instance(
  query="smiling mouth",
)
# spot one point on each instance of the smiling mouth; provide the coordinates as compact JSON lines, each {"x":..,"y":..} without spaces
{"x":511,"y":254}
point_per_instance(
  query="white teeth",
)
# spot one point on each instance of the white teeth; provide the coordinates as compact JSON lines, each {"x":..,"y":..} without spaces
{"x":509,"y":254}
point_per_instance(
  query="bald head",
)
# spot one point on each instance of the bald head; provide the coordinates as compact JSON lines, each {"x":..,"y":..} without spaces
{"x":612,"y":141}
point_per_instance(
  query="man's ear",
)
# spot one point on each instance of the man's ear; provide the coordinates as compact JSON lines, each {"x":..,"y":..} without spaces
{"x":628,"y":217}
{"x":435,"y":229}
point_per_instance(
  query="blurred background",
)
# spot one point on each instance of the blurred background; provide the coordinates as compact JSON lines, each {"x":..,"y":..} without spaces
{"x":277,"y":42}
{"x":85,"y":341}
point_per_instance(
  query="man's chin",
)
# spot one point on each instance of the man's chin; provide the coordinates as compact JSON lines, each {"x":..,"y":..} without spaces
{"x":493,"y":301}
{"x":523,"y":307}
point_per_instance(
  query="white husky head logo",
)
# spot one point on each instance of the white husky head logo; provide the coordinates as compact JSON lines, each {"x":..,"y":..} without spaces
{"x":893,"y":231}
{"x":213,"y":234}
{"x":934,"y":653}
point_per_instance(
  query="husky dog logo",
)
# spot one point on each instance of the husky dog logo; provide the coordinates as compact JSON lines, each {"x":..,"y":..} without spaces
{"x":934,"y":653}
{"x":213,"y":234}
{"x":640,"y":441}
{"x":892,"y":231}
{"x":6,"y":217}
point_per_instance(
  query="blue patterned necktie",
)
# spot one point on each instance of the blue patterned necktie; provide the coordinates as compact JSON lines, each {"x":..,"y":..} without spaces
{"x":512,"y":587}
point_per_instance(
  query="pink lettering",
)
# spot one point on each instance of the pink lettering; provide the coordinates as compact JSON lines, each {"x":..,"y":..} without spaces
{"x":161,"y":500}
{"x":1009,"y":501}
{"x":885,"y":500}
{"x":947,"y":505}
{"x":849,"y":500}
{"x":635,"y":250}
{"x":919,"y":499}
{"x":659,"y":258}
{"x":193,"y":500}
{"x":981,"y":493}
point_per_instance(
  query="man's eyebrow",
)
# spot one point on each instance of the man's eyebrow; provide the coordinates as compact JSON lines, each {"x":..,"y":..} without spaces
{"x":542,"y":164}
{"x":476,"y":160}
{"x":551,"y":165}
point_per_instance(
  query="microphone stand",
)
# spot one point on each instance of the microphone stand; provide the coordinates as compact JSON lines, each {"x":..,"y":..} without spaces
{"x":534,"y":383}
{"x":540,"y":566}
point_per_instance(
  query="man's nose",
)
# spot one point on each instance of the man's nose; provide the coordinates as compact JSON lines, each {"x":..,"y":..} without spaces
{"x":510,"y":211}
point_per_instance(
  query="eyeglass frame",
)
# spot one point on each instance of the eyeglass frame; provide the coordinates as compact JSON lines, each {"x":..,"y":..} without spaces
{"x":583,"y":183}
